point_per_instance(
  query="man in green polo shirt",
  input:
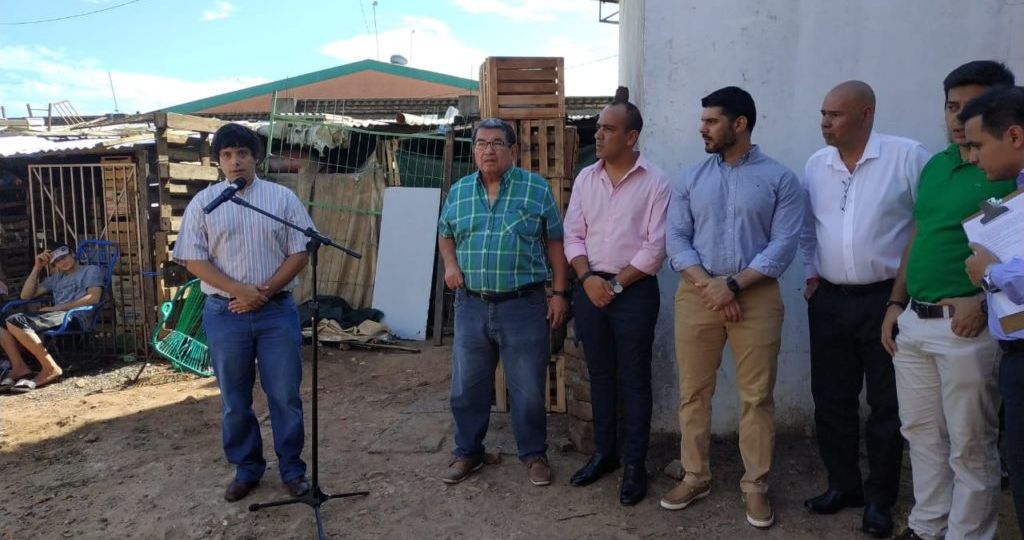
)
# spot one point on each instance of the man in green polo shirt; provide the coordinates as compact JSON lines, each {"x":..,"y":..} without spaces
{"x":498,"y":232}
{"x":946,"y":362}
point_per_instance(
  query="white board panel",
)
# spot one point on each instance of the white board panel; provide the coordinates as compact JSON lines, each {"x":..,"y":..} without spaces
{"x":405,"y":259}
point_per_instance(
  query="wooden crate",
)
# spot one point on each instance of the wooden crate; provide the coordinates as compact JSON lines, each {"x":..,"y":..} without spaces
{"x":542,"y":147}
{"x":518,"y":88}
{"x":554,"y":387}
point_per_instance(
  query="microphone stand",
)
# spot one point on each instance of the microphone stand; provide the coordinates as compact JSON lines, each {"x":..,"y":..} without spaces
{"x":315,"y":497}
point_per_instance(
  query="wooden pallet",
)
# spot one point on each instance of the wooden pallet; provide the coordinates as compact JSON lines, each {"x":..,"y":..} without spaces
{"x":554,"y":387}
{"x":518,"y":88}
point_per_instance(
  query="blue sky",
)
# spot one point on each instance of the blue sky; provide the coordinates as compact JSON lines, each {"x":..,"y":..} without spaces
{"x":163,"y":52}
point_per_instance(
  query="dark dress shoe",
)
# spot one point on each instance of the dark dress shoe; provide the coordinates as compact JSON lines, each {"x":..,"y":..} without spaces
{"x":297,"y":487}
{"x":237,"y":490}
{"x":877,"y":520}
{"x":634,"y":485}
{"x":833,"y":501}
{"x":598,"y":466}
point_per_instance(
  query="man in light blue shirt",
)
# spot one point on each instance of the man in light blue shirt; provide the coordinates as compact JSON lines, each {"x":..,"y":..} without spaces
{"x":994,"y":127}
{"x":732,"y":229}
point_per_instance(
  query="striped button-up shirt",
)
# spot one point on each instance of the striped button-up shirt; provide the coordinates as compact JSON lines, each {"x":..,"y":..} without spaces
{"x":244,"y":245}
{"x":728,"y":217}
{"x":501,"y":247}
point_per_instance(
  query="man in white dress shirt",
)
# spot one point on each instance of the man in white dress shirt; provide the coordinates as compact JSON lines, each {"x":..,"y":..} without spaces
{"x":860,"y":193}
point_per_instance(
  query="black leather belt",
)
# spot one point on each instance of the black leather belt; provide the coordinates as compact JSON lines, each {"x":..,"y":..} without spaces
{"x":501,"y":297}
{"x":1012,"y":345}
{"x":931,"y":311}
{"x":609,"y":275}
{"x":279,"y":296}
{"x":857,"y":290}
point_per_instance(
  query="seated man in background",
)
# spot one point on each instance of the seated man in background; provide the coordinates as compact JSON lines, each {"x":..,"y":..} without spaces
{"x":73,"y":286}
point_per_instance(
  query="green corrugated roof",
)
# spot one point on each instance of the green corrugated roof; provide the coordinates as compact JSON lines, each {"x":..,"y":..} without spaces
{"x":323,"y":75}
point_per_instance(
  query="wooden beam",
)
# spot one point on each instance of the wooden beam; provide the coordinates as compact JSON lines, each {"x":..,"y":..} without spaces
{"x":186,"y":122}
{"x":446,"y":184}
{"x":185,"y":171}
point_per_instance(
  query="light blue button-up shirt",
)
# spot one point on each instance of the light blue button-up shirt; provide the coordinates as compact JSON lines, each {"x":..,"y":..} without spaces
{"x":729,"y":217}
{"x":1009,"y":277}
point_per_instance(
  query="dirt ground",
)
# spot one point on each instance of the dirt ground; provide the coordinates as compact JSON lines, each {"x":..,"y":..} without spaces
{"x":91,"y":457}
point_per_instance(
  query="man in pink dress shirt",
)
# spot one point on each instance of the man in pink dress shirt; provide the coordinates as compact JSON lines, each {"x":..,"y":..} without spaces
{"x":615,"y":241}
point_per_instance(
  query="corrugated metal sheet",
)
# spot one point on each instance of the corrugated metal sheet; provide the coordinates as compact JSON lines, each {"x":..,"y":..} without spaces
{"x":27,"y":145}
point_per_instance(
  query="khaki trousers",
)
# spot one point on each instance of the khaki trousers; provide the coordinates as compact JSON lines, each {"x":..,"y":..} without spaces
{"x":949,"y":405}
{"x":754,"y":341}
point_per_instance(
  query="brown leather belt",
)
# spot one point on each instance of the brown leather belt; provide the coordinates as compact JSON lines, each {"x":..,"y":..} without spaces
{"x":925,"y":310}
{"x":501,"y":297}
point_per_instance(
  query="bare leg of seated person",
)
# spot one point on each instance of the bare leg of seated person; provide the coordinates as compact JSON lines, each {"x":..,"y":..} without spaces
{"x":10,"y":346}
{"x":49,"y":371}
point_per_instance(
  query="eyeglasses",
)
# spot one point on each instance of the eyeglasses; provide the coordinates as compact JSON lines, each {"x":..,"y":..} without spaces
{"x":496,"y":145}
{"x":846,"y":193}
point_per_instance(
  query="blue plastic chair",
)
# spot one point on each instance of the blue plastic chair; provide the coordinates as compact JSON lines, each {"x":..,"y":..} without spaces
{"x":92,"y":252}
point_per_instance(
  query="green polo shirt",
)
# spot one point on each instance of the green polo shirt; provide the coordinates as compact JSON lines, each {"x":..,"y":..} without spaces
{"x":501,"y":247}
{"x":949,"y":191}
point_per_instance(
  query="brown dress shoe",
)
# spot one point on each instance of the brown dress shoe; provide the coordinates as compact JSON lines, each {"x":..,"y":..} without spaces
{"x":237,"y":490}
{"x":297,"y":487}
{"x":538,"y":471}
{"x":460,"y":468}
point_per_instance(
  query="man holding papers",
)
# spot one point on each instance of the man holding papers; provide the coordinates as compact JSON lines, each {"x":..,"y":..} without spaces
{"x":994,"y":127}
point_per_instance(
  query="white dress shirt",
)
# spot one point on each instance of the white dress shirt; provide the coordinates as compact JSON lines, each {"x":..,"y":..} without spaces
{"x":857,"y":224}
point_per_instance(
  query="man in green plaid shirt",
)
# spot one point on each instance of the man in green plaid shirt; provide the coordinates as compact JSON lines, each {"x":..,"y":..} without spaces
{"x":500,"y":235}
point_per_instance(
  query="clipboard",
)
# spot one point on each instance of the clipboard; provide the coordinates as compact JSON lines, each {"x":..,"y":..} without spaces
{"x":999,"y":226}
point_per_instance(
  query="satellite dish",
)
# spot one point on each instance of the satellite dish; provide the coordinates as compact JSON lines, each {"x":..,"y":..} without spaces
{"x":398,"y":60}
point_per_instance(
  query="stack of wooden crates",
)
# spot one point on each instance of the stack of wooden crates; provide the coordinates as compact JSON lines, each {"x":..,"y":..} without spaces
{"x":529,"y":93}
{"x":184,"y":169}
{"x":126,"y":231}
{"x":16,"y":255}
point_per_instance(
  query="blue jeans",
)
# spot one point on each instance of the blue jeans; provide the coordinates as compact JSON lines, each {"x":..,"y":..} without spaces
{"x":516,"y":331}
{"x":236,"y":341}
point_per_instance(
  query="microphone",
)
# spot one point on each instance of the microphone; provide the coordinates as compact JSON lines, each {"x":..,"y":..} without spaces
{"x":225,"y":195}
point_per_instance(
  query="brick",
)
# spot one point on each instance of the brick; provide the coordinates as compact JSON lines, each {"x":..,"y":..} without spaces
{"x":571,"y":348}
{"x":580,"y":409}
{"x":575,"y":365}
{"x":582,"y":435}
{"x":579,"y":390}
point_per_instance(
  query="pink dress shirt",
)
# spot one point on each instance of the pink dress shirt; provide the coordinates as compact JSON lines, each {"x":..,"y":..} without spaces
{"x":618,"y":226}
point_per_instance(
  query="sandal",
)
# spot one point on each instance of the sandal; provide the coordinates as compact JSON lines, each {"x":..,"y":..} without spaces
{"x":25,"y":386}
{"x":8,"y":382}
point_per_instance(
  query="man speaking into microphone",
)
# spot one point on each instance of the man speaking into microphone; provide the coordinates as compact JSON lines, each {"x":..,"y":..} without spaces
{"x":248,"y":265}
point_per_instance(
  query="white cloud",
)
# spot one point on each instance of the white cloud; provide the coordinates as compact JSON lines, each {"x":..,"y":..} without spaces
{"x":528,"y":10}
{"x":591,"y":62}
{"x":427,"y":44}
{"x":38,"y":75}
{"x":223,"y":11}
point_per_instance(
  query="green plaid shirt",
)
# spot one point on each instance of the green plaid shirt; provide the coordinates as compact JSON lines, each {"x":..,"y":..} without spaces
{"x":501,"y":248}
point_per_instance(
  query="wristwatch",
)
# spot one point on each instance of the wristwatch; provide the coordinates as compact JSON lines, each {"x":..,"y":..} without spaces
{"x":563,"y":294}
{"x":616,"y":286}
{"x":585,"y":275}
{"x":732,"y":284}
{"x":986,"y":282}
